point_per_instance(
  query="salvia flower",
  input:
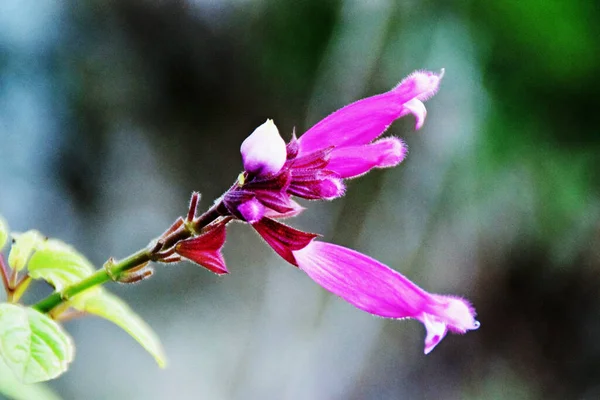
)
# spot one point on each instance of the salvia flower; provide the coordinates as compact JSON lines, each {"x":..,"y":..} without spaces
{"x":350,"y":131}
{"x":377,"y":289}
{"x":368,"y":284}
{"x":344,"y":145}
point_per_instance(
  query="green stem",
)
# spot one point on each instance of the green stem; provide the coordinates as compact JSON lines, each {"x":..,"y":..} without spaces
{"x":20,"y":289}
{"x":98,"y":278}
{"x":114,"y":269}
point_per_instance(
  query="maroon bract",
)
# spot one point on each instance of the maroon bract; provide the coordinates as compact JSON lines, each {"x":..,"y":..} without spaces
{"x":205,"y":249}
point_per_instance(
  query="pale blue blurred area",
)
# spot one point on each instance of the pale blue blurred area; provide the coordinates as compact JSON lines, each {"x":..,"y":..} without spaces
{"x":113,"y":112}
{"x":30,"y":113}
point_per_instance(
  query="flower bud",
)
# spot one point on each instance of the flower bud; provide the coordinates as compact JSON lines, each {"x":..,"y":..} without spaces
{"x":3,"y":232}
{"x":264,"y":151}
{"x":23,"y":247}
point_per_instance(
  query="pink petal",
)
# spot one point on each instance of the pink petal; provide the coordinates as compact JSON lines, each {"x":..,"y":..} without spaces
{"x":279,"y":201}
{"x":296,"y":209}
{"x":251,"y":210}
{"x":417,"y":108}
{"x":233,"y":198}
{"x":264,"y":151}
{"x":363,"y":121}
{"x":331,"y":188}
{"x":205,"y":249}
{"x":352,"y":161}
{"x":282,"y":238}
{"x":436,"y":331}
{"x":373,"y":287}
{"x":321,"y":187}
{"x":278,"y":182}
{"x":425,"y":82}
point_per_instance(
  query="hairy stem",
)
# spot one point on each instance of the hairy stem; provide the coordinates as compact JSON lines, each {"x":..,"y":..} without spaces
{"x":98,"y":278}
{"x":113,"y":270}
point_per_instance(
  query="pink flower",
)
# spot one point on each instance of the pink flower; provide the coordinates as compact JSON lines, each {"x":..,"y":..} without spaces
{"x":351,"y":130}
{"x":341,"y":146}
{"x":344,"y":145}
{"x":368,"y":284}
{"x":377,"y":289}
{"x":365,"y":120}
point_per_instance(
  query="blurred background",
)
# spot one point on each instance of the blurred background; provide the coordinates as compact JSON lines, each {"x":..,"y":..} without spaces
{"x":113,"y":112}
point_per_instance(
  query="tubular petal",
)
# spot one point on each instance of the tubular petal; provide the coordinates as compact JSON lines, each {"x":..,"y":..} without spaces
{"x":352,"y":161}
{"x":251,"y":210}
{"x":373,"y":287}
{"x":322,"y":187}
{"x":426,"y":83}
{"x":296,"y":209}
{"x":365,"y":120}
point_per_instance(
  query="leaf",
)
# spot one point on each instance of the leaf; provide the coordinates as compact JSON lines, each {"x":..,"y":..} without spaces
{"x":32,"y":345}
{"x":12,"y":388}
{"x":112,"y":308}
{"x":59,"y":264}
{"x":24,"y":244}
{"x":3,"y":232}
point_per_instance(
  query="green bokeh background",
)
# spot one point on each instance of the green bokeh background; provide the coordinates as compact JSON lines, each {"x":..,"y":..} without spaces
{"x":113,"y":112}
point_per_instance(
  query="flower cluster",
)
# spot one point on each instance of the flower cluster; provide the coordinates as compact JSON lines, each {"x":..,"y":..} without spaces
{"x":344,"y":145}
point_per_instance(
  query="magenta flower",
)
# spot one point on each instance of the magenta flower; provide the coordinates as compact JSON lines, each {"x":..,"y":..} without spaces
{"x":351,"y":130}
{"x":344,"y":145}
{"x":368,"y":284}
{"x":377,"y":289}
{"x":341,"y":146}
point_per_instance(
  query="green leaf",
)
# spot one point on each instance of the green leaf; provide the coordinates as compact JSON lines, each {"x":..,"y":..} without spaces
{"x":3,"y":232}
{"x":59,"y":264}
{"x":32,"y":345}
{"x":111,"y":307}
{"x":24,"y":244}
{"x":13,"y":388}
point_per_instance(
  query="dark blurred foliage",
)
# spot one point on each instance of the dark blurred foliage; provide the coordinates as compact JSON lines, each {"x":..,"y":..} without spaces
{"x":150,"y":100}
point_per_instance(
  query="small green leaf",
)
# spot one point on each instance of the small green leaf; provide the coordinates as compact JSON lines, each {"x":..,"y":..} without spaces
{"x":32,"y":345}
{"x":3,"y":232}
{"x":13,"y":388}
{"x":59,"y":264}
{"x":24,"y":244}
{"x":111,"y":307}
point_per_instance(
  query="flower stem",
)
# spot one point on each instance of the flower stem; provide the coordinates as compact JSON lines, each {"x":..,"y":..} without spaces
{"x":20,"y":289}
{"x":13,"y":279}
{"x":99,"y":277}
{"x":113,"y":270}
{"x":4,"y":273}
